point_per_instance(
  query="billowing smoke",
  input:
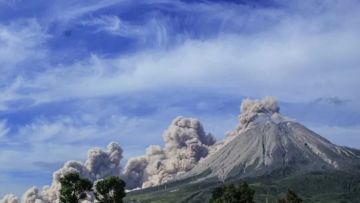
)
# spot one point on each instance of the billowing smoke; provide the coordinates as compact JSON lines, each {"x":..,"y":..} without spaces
{"x":186,"y":143}
{"x":104,"y":163}
{"x":266,"y":108}
{"x":99,"y":164}
{"x":252,"y":111}
{"x":135,"y":171}
{"x":32,"y":196}
{"x":10,"y":198}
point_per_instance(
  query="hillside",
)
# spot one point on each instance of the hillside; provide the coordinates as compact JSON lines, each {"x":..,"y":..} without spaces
{"x":272,"y":153}
{"x":315,"y":187}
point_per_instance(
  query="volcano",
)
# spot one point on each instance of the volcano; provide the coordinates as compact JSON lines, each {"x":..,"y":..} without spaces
{"x":265,"y":142}
{"x":273,"y":153}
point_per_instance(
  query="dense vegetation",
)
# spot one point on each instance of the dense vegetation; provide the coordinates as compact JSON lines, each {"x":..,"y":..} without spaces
{"x":329,"y":187}
{"x":73,"y":188}
{"x":291,"y":197}
{"x":244,"y":194}
{"x":233,"y":194}
{"x":108,"y":190}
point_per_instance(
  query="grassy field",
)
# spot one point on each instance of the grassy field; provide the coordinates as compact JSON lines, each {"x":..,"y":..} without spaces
{"x":334,"y":187}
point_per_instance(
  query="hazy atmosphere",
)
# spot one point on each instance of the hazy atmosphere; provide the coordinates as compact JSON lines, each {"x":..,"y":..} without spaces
{"x":79,"y":74}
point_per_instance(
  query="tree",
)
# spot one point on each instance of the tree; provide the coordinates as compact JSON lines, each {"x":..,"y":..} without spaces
{"x":73,"y":188}
{"x":246,"y":194}
{"x":217,"y":193}
{"x":291,"y":197}
{"x":110,"y":190}
{"x":232,"y":194}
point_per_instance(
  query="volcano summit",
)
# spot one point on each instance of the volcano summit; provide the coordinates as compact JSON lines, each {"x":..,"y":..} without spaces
{"x":266,"y":142}
{"x":273,"y":153}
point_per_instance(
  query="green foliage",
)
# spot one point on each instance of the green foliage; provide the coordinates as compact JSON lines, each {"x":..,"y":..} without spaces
{"x":232,"y":194}
{"x":110,"y":190}
{"x":316,"y":187}
{"x":73,"y":188}
{"x":291,"y":197}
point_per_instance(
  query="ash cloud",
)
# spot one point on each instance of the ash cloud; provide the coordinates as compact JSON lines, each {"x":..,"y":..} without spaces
{"x":99,"y":164}
{"x":251,"y":109}
{"x":186,"y":143}
{"x":32,"y":196}
{"x":134,"y":173}
{"x":10,"y":198}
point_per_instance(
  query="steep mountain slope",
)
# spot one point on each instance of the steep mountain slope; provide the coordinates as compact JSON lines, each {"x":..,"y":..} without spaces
{"x":314,"y":187}
{"x":272,"y":153}
{"x":266,"y":142}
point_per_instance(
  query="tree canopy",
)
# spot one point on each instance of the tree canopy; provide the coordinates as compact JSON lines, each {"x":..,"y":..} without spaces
{"x":233,"y":194}
{"x":73,"y":188}
{"x":110,"y":190}
{"x":291,"y":197}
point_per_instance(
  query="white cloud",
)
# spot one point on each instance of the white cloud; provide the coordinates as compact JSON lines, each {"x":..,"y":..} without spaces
{"x":65,"y":11}
{"x":153,"y":32}
{"x":18,"y":42}
{"x":68,"y":137}
{"x":52,"y":141}
{"x":295,"y":58}
{"x":64,"y":129}
{"x":286,"y":59}
{"x":287,"y":66}
{"x":21,"y":44}
{"x":113,"y":25}
{"x":4,"y":130}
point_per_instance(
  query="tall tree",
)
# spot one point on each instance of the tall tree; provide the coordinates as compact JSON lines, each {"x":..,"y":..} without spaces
{"x":291,"y":197}
{"x":232,"y":194}
{"x":110,"y":190}
{"x":73,"y":188}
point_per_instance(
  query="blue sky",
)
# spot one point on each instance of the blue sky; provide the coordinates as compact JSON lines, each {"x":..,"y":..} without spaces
{"x":78,"y":74}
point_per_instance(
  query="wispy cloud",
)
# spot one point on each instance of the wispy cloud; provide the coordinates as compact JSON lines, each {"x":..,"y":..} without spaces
{"x":18,"y":42}
{"x":285,"y":54}
{"x":71,"y":10}
{"x":224,"y":65}
{"x":152,"y":31}
{"x":4,"y":130}
{"x":78,"y":74}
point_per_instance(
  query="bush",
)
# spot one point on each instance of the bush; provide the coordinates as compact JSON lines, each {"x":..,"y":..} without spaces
{"x":110,"y":190}
{"x":73,"y":188}
{"x":291,"y":197}
{"x":232,"y":194}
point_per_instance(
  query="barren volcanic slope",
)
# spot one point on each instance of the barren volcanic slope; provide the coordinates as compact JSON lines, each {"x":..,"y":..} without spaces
{"x":273,"y":153}
{"x":266,"y":142}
